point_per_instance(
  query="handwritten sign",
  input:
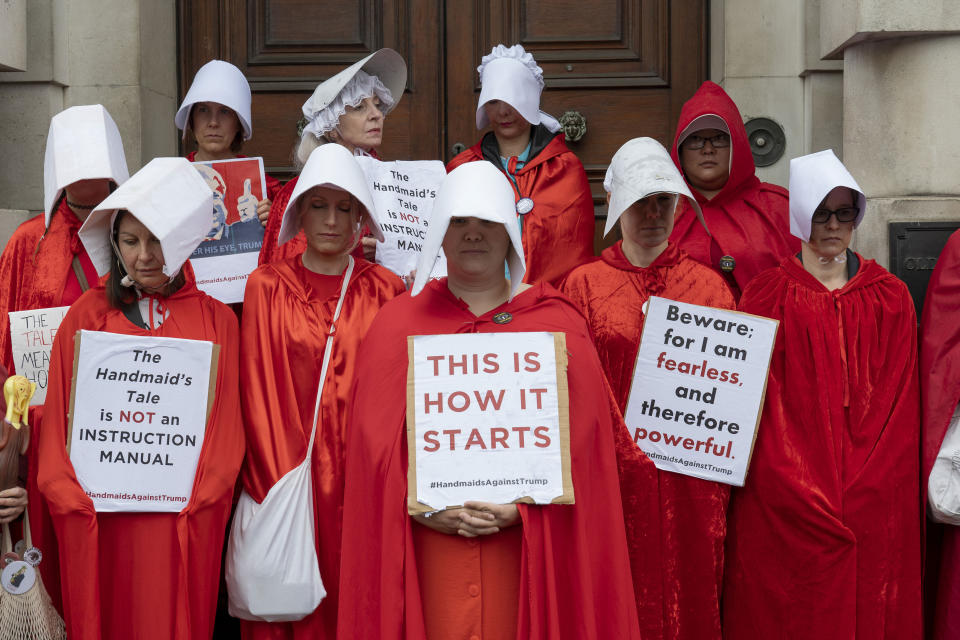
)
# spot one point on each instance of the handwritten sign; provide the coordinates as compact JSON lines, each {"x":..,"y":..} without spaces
{"x":31,"y":338}
{"x":229,"y":253}
{"x":698,"y":388}
{"x":487,"y":419}
{"x":138,"y":410}
{"x":403,"y":193}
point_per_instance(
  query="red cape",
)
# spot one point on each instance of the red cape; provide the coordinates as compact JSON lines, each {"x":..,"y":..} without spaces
{"x":282,"y":344}
{"x":148,"y":575}
{"x":558,"y":233}
{"x":681,"y":599}
{"x":940,"y":383}
{"x":574,"y":577}
{"x":825,"y":538}
{"x":748,"y":219}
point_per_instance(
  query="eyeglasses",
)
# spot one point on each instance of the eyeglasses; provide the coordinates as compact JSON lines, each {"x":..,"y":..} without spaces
{"x":844,"y":214}
{"x":719,"y":141}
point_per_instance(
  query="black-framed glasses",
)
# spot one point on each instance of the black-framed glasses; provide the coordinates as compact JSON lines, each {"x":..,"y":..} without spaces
{"x":844,"y":214}
{"x":719,"y":141}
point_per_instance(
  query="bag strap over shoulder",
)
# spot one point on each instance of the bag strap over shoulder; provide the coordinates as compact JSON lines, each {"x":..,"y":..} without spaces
{"x":331,"y":332}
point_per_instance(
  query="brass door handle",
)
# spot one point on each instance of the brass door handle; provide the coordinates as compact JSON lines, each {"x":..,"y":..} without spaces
{"x":574,"y":125}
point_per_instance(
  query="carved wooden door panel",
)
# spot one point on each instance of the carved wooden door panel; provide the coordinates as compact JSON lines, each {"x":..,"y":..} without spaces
{"x":626,"y":66}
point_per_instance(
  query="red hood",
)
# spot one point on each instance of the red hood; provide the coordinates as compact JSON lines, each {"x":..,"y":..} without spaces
{"x":710,"y":98}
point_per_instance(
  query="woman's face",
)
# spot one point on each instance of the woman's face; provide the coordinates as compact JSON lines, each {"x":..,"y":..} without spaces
{"x":361,"y":126}
{"x":506,"y":121}
{"x":215,"y":127}
{"x":330,"y":218}
{"x":141,"y":253}
{"x":476,"y":249}
{"x":89,"y":192}
{"x":706,"y":168}
{"x":831,"y":238}
{"x":648,"y":222}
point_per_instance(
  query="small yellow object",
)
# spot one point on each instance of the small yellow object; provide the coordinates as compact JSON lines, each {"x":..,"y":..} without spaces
{"x":18,"y":391}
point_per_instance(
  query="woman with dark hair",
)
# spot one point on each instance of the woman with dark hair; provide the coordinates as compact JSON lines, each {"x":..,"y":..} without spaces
{"x":288,"y":309}
{"x":142,"y":574}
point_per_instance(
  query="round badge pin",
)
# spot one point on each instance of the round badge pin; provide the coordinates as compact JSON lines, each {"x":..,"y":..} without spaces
{"x":18,"y":577}
{"x":524,"y":206}
{"x":20,"y":547}
{"x":727,"y":264}
{"x":502,"y":318}
{"x":32,"y":556}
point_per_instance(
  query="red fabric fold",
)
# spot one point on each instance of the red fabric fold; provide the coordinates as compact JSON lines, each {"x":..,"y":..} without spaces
{"x":148,"y":575}
{"x":558,"y":232}
{"x":825,"y":538}
{"x":678,"y":580}
{"x":575,"y":581}
{"x":284,"y":332}
{"x":748,"y":219}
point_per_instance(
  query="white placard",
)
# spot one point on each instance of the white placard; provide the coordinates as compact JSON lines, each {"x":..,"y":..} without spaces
{"x":139,"y":415}
{"x":31,"y":338}
{"x":487,"y":419}
{"x":403,"y":192}
{"x":698,"y":388}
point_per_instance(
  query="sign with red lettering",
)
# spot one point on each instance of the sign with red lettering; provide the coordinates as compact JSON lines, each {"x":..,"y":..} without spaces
{"x":138,"y":416}
{"x":698,"y":388}
{"x":487,"y":419}
{"x":31,"y":338}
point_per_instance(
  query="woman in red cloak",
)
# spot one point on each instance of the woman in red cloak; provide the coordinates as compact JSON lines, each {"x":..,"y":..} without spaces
{"x":288,"y":307}
{"x":825,"y":538}
{"x":486,"y":570}
{"x":553,"y":202}
{"x":747,"y":219}
{"x":145,"y":575}
{"x":681,"y":599}
{"x":940,"y":384}
{"x":347,"y":109}
{"x":216,"y":111}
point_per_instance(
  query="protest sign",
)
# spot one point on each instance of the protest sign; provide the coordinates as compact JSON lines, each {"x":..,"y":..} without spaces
{"x":403,"y":193}
{"x":698,"y":388}
{"x":487,"y":419}
{"x":31,"y":338}
{"x":138,"y":415}
{"x":229,"y":253}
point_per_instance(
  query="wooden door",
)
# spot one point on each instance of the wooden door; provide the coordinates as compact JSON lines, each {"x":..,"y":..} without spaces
{"x":626,"y":66}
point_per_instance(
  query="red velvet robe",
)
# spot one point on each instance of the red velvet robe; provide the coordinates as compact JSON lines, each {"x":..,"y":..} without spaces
{"x":143,"y":575}
{"x":692,"y":512}
{"x":558,"y":233}
{"x":283,"y":338}
{"x":575,"y":581}
{"x":940,"y":384}
{"x":748,"y":219}
{"x":36,"y":272}
{"x":825,"y":538}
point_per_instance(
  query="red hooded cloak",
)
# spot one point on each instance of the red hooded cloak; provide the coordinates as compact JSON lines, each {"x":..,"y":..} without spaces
{"x":574,"y":580}
{"x":558,"y":232}
{"x":825,"y":538}
{"x":748,"y":219}
{"x":144,"y":575}
{"x":692,"y":512}
{"x":284,"y":333}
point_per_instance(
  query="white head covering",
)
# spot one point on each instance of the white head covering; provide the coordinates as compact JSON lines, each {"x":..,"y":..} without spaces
{"x":512,"y":75}
{"x":83,"y":143}
{"x":383,"y":73}
{"x":472,"y":190}
{"x":639,"y":168}
{"x":218,"y":81}
{"x":706,"y":121}
{"x":330,"y":165}
{"x":171,"y":200}
{"x":812,"y":177}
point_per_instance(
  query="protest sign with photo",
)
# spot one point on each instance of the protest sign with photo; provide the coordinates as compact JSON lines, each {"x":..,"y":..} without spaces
{"x":698,"y":388}
{"x":487,"y":419}
{"x":403,"y":192}
{"x":31,"y":338}
{"x":138,"y":415}
{"x":229,"y":253}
